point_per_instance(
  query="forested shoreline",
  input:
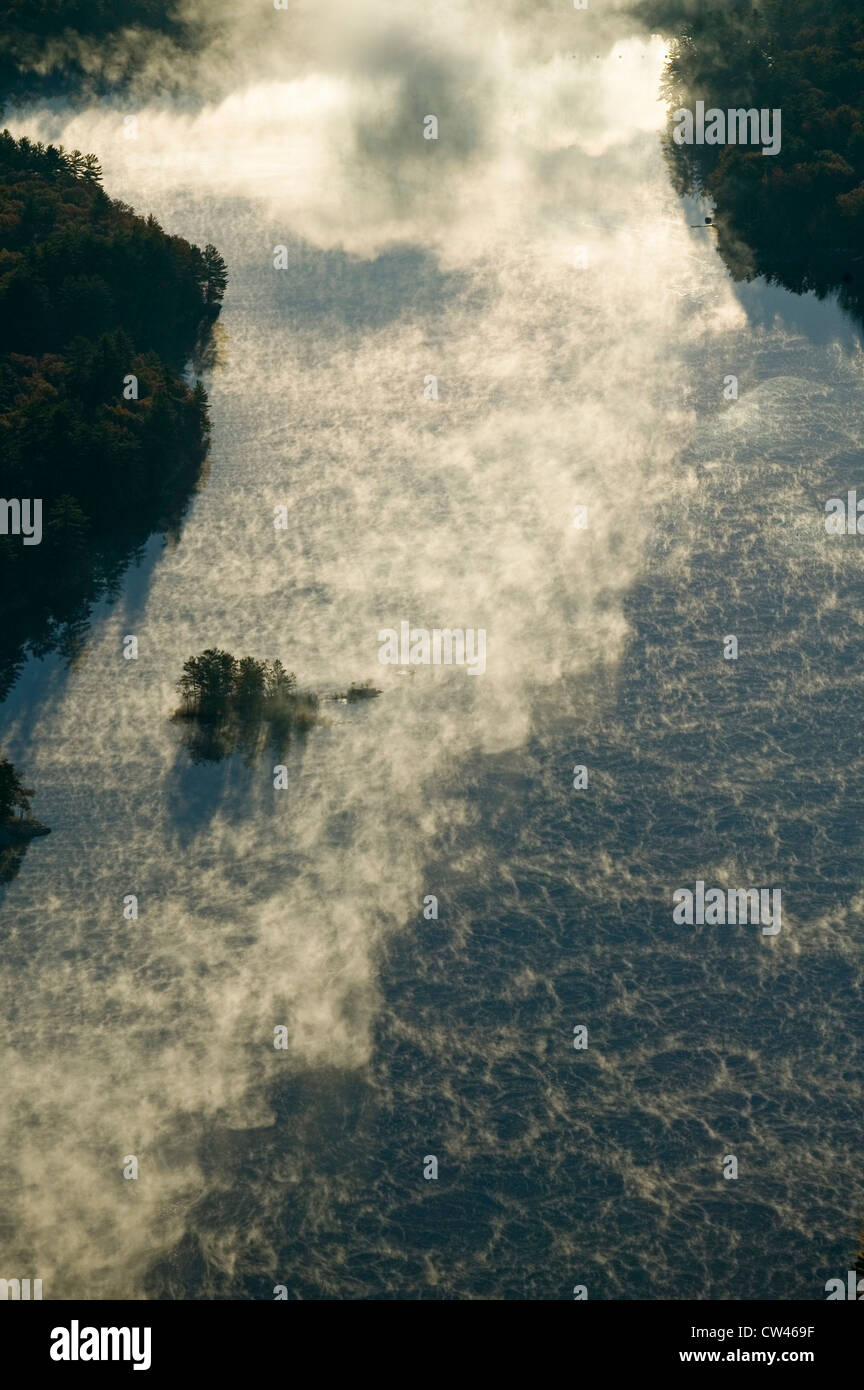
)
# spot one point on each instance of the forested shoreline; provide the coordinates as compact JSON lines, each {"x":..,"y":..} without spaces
{"x":47,"y":46}
{"x":101,"y":310}
{"x":797,"y":217}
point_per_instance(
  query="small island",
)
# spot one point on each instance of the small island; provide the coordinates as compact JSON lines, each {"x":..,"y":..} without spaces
{"x":239,"y":704}
{"x":359,"y":690}
{"x":236,"y":704}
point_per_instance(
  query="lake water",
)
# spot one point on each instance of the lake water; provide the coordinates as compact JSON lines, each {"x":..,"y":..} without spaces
{"x":559,"y":386}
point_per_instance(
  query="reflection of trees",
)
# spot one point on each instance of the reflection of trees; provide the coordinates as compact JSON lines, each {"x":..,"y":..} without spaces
{"x":14,"y":796}
{"x":796,"y":217}
{"x":14,"y":816}
{"x":10,"y":862}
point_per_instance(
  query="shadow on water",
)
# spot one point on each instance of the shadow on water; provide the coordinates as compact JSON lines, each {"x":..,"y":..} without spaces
{"x":123,"y":563}
{"x":821,"y":321}
{"x":361,"y":294}
{"x":324,"y":1163}
{"x":220,"y":771}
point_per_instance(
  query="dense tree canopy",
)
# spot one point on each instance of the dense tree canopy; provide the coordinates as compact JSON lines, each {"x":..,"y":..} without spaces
{"x":796,"y":217}
{"x":99,"y":312}
{"x":75,"y":263}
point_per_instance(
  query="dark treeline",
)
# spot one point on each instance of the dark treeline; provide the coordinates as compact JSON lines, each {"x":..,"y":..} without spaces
{"x":237,"y":704}
{"x":75,"y":263}
{"x":91,"y":296}
{"x":46,"y":18}
{"x":796,"y":217}
{"x":47,"y":46}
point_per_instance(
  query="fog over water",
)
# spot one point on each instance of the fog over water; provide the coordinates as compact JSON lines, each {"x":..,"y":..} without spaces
{"x":558,"y":387}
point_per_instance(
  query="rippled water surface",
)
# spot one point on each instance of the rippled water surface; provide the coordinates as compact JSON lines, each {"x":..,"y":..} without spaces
{"x":558,"y":386}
